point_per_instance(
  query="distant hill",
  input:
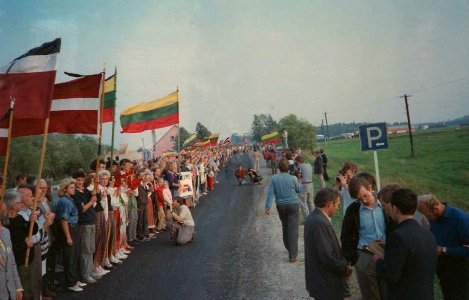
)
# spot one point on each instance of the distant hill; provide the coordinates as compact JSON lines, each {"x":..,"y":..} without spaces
{"x":342,"y":128}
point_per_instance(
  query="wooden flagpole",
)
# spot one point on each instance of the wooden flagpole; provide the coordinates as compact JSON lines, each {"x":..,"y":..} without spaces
{"x":37,"y":192}
{"x":179,"y":134}
{"x":7,"y":155}
{"x":100,"y":133}
{"x":113,"y":121}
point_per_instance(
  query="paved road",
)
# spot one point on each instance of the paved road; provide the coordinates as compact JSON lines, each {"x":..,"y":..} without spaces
{"x":223,"y":263}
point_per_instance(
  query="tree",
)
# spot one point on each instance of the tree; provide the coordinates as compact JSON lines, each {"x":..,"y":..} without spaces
{"x":202,"y":131}
{"x":262,"y":125}
{"x":184,"y":134}
{"x":64,"y":155}
{"x":301,"y":133}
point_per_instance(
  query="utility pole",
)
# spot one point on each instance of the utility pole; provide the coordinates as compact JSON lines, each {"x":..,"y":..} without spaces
{"x":408,"y":123}
{"x":322,"y":128}
{"x":327,"y":125}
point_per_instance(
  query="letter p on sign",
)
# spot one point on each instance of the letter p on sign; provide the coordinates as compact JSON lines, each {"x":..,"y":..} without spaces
{"x":373,"y":136}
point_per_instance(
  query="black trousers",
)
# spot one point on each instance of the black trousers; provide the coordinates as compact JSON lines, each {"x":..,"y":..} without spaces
{"x":142,"y":222}
{"x":71,"y":255}
{"x":289,"y":215}
{"x":453,"y":272}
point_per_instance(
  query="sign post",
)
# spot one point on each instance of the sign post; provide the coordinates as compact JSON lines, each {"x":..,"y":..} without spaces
{"x":374,"y":137}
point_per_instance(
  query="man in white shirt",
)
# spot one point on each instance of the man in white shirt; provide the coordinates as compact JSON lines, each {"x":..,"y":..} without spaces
{"x":182,"y":226}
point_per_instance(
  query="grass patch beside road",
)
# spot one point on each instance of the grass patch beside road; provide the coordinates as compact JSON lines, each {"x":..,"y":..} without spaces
{"x":440,"y":165}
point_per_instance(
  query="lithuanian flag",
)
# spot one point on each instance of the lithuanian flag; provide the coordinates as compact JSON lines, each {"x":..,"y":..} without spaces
{"x":202,"y":144}
{"x":109,"y":99}
{"x":213,"y":139}
{"x":169,"y":154}
{"x":189,"y":140}
{"x":151,"y":115}
{"x":271,"y":138}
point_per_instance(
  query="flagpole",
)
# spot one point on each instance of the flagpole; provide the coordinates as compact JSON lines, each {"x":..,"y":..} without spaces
{"x":113,"y":121}
{"x":179,"y":132}
{"x":37,"y":192}
{"x":101,"y":115}
{"x":7,"y":155}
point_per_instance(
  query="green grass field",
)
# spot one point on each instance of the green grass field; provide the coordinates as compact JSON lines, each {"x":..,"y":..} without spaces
{"x":440,"y":165}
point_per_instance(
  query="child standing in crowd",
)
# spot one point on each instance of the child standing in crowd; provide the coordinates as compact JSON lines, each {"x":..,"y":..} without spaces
{"x":168,"y":199}
{"x":211,"y":179}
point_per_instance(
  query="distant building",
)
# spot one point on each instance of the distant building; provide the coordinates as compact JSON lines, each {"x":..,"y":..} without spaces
{"x":168,"y":142}
{"x":399,"y":130}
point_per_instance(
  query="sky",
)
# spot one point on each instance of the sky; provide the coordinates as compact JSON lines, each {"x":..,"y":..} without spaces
{"x":232,"y":59}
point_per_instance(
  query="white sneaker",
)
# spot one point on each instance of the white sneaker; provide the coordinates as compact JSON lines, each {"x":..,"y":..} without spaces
{"x":81,"y":284}
{"x":125,"y":251}
{"x":114,"y":260}
{"x":120,"y":256}
{"x":96,"y":274}
{"x":75,"y":288}
{"x":107,"y":264}
{"x":122,"y":252}
{"x":102,"y":271}
{"x":90,"y":280}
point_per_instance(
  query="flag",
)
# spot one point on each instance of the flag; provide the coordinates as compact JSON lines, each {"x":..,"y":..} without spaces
{"x":3,"y":141}
{"x":109,"y":99}
{"x":29,"y":79}
{"x":74,"y":110}
{"x":202,"y":144}
{"x":151,"y":115}
{"x":227,"y":141}
{"x":213,"y":139}
{"x":169,"y":154}
{"x":271,"y":138}
{"x":189,"y":140}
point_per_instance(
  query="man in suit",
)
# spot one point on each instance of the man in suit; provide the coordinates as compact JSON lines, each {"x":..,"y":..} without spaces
{"x":325,"y":266}
{"x":410,"y":258}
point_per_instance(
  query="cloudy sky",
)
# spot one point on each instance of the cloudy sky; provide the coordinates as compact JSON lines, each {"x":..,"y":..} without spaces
{"x":235,"y":58}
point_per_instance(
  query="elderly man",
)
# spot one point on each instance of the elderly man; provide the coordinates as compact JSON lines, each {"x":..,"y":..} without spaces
{"x":325,"y":265}
{"x":10,"y":287}
{"x":450,"y":226}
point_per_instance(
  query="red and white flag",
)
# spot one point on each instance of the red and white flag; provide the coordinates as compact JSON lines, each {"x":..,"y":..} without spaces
{"x":227,"y":141}
{"x":74,"y":110}
{"x":29,"y":80}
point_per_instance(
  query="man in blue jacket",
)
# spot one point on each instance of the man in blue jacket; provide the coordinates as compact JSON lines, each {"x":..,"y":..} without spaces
{"x":450,"y":226}
{"x":285,"y":188}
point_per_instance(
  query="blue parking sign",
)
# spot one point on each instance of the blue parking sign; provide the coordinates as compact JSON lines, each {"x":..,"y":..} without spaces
{"x":373,"y":136}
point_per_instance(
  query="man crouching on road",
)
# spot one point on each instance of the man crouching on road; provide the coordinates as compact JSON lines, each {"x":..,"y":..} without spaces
{"x":182,"y":226}
{"x":325,"y":266}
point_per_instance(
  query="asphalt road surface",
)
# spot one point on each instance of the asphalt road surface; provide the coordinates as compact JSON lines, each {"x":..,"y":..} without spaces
{"x":224,"y":262}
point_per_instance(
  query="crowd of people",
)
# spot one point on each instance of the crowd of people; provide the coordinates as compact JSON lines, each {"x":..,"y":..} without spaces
{"x":394,"y":239}
{"x":96,"y":219}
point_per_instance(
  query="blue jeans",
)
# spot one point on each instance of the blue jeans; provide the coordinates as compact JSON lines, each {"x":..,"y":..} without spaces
{"x":289,"y":215}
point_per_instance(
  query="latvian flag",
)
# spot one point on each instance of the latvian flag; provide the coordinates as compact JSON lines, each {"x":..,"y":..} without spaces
{"x":271,"y":138}
{"x":74,"y":110}
{"x":29,"y":81}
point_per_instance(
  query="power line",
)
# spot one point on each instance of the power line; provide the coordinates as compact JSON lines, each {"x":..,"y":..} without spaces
{"x":439,"y":85}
